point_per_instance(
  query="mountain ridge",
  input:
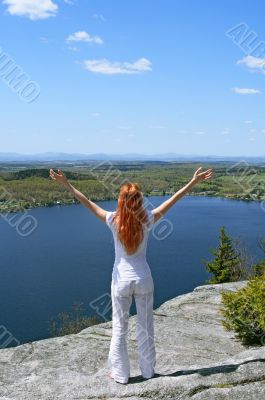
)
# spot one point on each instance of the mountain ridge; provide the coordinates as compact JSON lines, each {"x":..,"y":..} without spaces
{"x":63,"y":156}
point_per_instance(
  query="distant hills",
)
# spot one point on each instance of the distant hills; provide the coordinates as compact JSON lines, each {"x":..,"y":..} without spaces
{"x":54,"y":156}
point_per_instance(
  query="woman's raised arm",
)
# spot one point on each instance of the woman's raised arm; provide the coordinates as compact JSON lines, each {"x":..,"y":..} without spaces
{"x":61,"y":178}
{"x":166,"y":205}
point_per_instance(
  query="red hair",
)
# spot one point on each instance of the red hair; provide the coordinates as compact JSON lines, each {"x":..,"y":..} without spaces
{"x":130,"y":216}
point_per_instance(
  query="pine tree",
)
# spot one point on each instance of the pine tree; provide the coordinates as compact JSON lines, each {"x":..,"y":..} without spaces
{"x":259,"y":268}
{"x":226,"y":266}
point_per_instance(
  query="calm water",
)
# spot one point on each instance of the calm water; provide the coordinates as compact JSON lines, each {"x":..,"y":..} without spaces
{"x":69,"y":258}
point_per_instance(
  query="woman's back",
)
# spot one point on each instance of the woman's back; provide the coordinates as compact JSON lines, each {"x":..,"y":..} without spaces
{"x":130,"y":266}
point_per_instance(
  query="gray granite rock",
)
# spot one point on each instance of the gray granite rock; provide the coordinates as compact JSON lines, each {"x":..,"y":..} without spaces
{"x":196,"y":359}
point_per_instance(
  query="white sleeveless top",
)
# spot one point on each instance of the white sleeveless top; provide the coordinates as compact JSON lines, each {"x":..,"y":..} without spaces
{"x":130,"y":267}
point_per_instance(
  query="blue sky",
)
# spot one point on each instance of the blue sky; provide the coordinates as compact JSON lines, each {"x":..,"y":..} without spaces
{"x":142,"y":76}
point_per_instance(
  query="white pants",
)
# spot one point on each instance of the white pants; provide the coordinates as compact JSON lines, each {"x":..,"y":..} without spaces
{"x":121,"y":295}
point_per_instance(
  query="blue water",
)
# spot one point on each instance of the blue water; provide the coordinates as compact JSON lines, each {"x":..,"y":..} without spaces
{"x":69,"y":257}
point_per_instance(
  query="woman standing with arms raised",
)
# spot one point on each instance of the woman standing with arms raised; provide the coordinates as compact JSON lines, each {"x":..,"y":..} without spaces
{"x":130,"y":224}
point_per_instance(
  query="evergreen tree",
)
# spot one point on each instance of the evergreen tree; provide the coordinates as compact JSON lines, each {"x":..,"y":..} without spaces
{"x":226,"y":266}
{"x":259,"y":268}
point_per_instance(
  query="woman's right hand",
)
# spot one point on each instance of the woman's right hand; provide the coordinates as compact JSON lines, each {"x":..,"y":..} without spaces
{"x":60,"y":177}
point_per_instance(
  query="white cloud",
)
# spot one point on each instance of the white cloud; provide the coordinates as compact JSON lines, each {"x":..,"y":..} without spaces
{"x":131,"y":135}
{"x":253,"y":63}
{"x":111,"y":68}
{"x":32,"y":9}
{"x":248,"y":122}
{"x":95,"y":114}
{"x":156,"y":127}
{"x":43,"y":39}
{"x":251,"y":139}
{"x":200,"y":133}
{"x":73,"y":48}
{"x":70,"y":2}
{"x":82,"y":36}
{"x":245,"y":91}
{"x":226,"y":131}
{"x":99,"y":16}
{"x":263,"y":131}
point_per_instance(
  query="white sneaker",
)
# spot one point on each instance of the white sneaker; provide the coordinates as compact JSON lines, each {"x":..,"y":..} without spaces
{"x":119,"y":380}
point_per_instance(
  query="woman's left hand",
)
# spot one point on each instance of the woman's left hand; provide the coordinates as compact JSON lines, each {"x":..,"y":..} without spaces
{"x":201,"y":176}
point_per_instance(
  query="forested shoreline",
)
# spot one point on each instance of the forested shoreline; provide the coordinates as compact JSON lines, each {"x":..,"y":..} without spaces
{"x":24,"y":187}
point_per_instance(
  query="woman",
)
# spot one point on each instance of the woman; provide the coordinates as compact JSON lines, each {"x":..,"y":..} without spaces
{"x":130,"y":225}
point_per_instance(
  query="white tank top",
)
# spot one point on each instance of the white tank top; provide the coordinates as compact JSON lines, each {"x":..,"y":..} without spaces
{"x":130,"y":267}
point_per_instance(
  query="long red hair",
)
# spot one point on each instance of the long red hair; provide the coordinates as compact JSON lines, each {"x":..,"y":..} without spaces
{"x":130,"y":216}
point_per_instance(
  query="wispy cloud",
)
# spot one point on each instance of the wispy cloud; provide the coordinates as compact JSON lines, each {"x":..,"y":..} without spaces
{"x":226,"y":131}
{"x":32,"y":9}
{"x":248,"y":121}
{"x":125,"y":127}
{"x":72,"y":48}
{"x":111,"y":68}
{"x":251,"y":139}
{"x":99,"y":16}
{"x":156,"y":127}
{"x":44,"y":39}
{"x":82,"y":36}
{"x":200,"y":133}
{"x":95,"y":114}
{"x":253,"y":63}
{"x":246,"y":91}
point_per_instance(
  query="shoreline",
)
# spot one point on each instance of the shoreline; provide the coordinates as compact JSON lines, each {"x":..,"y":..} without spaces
{"x":16,"y":208}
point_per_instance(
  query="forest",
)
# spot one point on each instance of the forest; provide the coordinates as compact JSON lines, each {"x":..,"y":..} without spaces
{"x":28,"y":186}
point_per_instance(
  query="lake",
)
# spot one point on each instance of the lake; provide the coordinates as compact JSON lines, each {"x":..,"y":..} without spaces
{"x":69,"y":258}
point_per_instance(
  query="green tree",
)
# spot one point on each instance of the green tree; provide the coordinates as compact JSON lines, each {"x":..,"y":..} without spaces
{"x":244,"y":311}
{"x":226,"y":265}
{"x":258,"y":269}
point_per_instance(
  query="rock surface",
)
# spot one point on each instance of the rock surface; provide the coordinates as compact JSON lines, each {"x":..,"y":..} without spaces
{"x":196,"y":359}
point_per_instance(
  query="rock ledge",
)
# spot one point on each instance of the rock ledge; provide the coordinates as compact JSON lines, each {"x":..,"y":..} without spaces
{"x":196,"y":359}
